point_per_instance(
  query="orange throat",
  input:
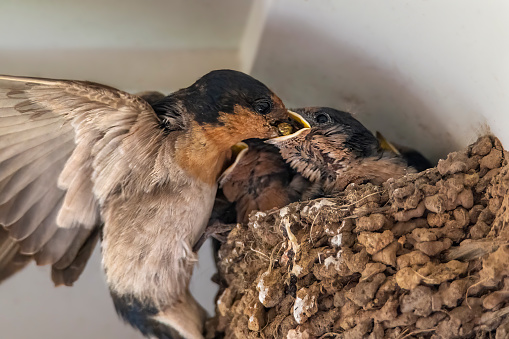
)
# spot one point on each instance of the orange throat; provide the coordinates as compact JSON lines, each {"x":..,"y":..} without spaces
{"x":202,"y":156}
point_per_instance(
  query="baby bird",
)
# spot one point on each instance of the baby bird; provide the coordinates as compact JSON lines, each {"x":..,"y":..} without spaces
{"x":260,"y":180}
{"x":79,"y":160}
{"x":338,"y":150}
{"x":334,"y":151}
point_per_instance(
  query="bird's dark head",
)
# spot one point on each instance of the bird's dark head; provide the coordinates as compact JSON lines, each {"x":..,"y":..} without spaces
{"x":336,"y":127}
{"x":334,"y":140}
{"x":230,"y":104}
{"x":219,"y":110}
{"x":341,"y":126}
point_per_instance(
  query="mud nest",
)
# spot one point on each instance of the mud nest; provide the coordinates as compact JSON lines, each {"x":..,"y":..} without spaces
{"x":424,"y":256}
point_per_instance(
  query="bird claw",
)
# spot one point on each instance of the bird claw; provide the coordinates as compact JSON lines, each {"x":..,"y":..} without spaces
{"x":215,"y":231}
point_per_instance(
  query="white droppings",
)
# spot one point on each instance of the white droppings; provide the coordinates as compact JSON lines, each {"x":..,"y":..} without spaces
{"x":263,"y":290}
{"x":260,"y":215}
{"x":329,"y":260}
{"x":337,"y":240}
{"x":256,"y":217}
{"x":297,"y":270}
{"x":323,"y":202}
{"x":335,"y":261}
{"x":284,"y":211}
{"x":301,"y":306}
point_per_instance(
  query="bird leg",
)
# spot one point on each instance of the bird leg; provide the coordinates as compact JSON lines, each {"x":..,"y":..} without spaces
{"x":214,"y":230}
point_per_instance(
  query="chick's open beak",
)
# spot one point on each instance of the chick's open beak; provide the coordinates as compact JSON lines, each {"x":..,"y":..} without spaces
{"x":286,"y":129}
{"x":298,"y":118}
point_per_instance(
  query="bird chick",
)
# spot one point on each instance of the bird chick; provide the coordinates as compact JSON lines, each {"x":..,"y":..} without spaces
{"x":79,"y":160}
{"x":337,"y":150}
{"x":413,"y":158}
{"x":260,"y":180}
{"x":322,"y":160}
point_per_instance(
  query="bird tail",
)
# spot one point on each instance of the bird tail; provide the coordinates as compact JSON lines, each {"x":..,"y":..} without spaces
{"x":185,"y":318}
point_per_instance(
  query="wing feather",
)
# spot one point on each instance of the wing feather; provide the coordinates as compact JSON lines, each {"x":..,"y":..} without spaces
{"x":59,"y":159}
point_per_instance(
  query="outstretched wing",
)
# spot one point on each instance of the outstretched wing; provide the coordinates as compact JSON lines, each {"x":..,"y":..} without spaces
{"x":59,"y":159}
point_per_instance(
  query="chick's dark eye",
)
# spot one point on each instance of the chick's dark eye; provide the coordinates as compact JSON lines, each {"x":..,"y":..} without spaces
{"x":322,"y":118}
{"x":262,"y":106}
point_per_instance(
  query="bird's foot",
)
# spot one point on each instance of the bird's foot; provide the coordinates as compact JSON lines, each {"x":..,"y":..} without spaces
{"x":215,"y":230}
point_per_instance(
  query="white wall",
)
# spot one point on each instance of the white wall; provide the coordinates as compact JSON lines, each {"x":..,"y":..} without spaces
{"x":425,"y":73}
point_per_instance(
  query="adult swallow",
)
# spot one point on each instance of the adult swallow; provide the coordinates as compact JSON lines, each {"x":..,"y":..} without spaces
{"x":338,"y":150}
{"x":80,"y":160}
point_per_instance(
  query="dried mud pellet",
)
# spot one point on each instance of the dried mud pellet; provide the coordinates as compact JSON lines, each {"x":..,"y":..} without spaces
{"x":461,"y":216}
{"x":432,"y":248}
{"x":386,"y":290}
{"x":471,"y":179}
{"x":321,"y":322}
{"x":428,"y":190}
{"x":417,"y":301}
{"x":494,"y":204}
{"x":438,"y":273}
{"x":410,"y":214}
{"x":479,"y":230}
{"x":495,"y":267}
{"x":372,"y":269}
{"x":365,"y":290}
{"x":455,"y":162}
{"x":408,"y":278}
{"x":256,"y":313}
{"x":412,"y":259}
{"x":437,"y":220}
{"x":482,"y":146}
{"x":403,"y":192}
{"x":359,"y":331}
{"x":431,"y":321}
{"x":405,"y":319}
{"x":374,"y":242}
{"x":486,"y":180}
{"x":298,"y":334}
{"x":225,"y":301}
{"x":270,"y":288}
{"x":435,"y":203}
{"x":494,"y":299}
{"x":306,"y":303}
{"x":405,"y":227}
{"x":492,"y":160}
{"x":374,"y":222}
{"x":377,"y":332}
{"x":423,"y":234}
{"x":356,"y":262}
{"x":388,"y":311}
{"x":455,"y":291}
{"x":465,"y":199}
{"x":387,"y":256}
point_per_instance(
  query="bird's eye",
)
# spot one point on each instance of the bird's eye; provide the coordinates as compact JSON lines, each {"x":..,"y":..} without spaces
{"x":262,"y":106}
{"x":322,"y":118}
